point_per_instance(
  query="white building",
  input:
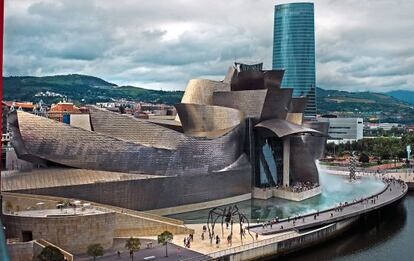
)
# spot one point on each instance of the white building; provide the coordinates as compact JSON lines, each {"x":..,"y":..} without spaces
{"x":342,"y":130}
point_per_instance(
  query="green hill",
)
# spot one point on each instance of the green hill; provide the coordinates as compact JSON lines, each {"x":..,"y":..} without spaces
{"x":403,"y":95}
{"x":89,"y":89}
{"x":79,"y":88}
{"x":365,"y":104}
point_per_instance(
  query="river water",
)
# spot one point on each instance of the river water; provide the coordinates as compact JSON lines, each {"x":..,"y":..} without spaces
{"x":385,"y":236}
{"x":389,"y":236}
{"x":335,"y":189}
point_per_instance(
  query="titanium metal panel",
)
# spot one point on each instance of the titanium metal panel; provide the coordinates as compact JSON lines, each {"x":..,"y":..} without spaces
{"x":200,"y":91}
{"x":273,"y":78}
{"x":155,"y":193}
{"x":249,"y":102}
{"x":298,"y":105}
{"x":282,"y":128}
{"x":60,"y":143}
{"x":230,"y":74}
{"x":302,"y":163}
{"x":135,"y":130}
{"x":247,"y":80}
{"x":200,"y":120}
{"x":316,"y":144}
{"x":170,"y":124}
{"x":256,"y":80}
{"x":276,"y":104}
{"x":296,"y":109}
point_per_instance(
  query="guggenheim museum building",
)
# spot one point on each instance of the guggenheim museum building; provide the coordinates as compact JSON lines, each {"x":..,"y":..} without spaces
{"x":229,"y":138}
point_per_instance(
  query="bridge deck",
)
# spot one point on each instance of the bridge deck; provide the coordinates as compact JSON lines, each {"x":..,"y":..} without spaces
{"x":393,"y":191}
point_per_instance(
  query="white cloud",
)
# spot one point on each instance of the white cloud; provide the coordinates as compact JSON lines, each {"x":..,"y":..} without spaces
{"x":361,"y":45}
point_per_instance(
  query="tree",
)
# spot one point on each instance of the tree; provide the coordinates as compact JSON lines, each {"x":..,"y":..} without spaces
{"x":133,"y":244}
{"x":95,"y":250}
{"x":51,"y":253}
{"x":164,"y":238}
{"x":363,"y":158}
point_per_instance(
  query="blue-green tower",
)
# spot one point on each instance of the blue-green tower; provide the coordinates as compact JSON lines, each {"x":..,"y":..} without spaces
{"x":294,"y":50}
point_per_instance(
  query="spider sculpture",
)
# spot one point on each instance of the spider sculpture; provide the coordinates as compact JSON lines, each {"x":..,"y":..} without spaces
{"x":227,"y":215}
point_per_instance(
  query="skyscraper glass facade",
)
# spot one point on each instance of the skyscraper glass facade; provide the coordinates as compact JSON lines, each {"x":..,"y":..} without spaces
{"x":294,"y":50}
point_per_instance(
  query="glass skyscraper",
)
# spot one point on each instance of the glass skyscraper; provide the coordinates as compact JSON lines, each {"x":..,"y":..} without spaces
{"x":294,"y":50}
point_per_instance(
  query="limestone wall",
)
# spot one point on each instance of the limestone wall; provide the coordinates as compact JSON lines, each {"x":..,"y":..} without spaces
{"x":21,"y":251}
{"x":72,"y":233}
{"x":127,"y":222}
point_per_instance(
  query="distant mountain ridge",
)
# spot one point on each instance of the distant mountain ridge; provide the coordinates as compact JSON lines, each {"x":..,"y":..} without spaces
{"x":79,"y":89}
{"x":403,"y":95}
{"x":89,"y":89}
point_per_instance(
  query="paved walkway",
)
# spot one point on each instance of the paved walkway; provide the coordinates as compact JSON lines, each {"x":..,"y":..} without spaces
{"x":392,"y":192}
{"x":157,"y":251}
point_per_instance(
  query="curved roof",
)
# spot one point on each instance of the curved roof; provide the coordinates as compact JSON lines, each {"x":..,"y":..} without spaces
{"x":250,"y":102}
{"x":207,"y":120}
{"x":255,"y":80}
{"x":38,"y":138}
{"x":282,"y":128}
{"x":200,"y":91}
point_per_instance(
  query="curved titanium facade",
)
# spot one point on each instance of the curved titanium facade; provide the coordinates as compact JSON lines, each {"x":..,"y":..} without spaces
{"x":294,"y":50}
{"x":297,"y":107}
{"x":134,"y":130}
{"x":158,"y":192}
{"x":302,"y":163}
{"x":255,"y":80}
{"x":276,"y":105}
{"x":207,"y":120}
{"x":60,"y":143}
{"x":200,"y":91}
{"x":249,"y":102}
{"x":282,"y":128}
{"x":317,"y":143}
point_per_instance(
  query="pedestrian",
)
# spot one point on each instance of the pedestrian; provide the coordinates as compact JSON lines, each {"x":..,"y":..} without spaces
{"x":118,"y":253}
{"x":202,"y":236}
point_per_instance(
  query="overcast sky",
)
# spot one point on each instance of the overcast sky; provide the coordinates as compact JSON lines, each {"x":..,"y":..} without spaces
{"x":159,"y":44}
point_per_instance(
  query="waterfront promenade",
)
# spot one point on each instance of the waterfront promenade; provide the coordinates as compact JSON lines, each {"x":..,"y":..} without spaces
{"x":393,"y":191}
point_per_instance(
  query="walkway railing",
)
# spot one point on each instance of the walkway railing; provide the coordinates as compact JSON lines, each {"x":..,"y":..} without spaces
{"x":240,"y":248}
